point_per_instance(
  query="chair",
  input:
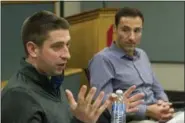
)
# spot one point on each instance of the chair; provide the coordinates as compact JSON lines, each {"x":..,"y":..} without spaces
{"x":87,"y":74}
{"x":177,"y":99}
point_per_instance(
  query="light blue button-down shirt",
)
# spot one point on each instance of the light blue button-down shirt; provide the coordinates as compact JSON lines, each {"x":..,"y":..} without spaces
{"x":111,"y":69}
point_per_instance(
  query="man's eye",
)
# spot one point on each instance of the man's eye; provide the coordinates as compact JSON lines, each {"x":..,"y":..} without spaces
{"x":57,"y":47}
{"x":137,"y":30}
{"x":125,"y":29}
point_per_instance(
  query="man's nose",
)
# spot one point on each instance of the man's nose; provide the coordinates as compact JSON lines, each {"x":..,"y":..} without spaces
{"x":132,"y":36}
{"x":66,"y":54}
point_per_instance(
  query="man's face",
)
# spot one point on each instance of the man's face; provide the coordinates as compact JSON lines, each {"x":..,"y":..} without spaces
{"x":129,"y":31}
{"x":54,"y":53}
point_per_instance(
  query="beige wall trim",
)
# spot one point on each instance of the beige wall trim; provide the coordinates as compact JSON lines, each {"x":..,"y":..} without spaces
{"x":71,"y":71}
{"x":57,"y":8}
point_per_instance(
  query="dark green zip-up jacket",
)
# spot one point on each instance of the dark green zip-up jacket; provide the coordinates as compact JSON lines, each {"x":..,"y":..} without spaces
{"x":30,"y":97}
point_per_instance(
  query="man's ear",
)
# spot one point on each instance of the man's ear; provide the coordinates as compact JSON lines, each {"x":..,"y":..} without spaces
{"x":32,"y":49}
{"x":114,"y":32}
{"x":114,"y":28}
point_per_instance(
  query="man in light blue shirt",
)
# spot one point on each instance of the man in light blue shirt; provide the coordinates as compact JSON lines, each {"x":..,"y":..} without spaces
{"x":122,"y":65}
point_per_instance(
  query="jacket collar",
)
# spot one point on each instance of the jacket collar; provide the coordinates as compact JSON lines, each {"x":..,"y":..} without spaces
{"x":48,"y":83}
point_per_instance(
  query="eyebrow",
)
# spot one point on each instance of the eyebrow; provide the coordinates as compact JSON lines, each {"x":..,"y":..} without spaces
{"x":57,"y":43}
{"x":125,"y":26}
{"x":60,"y":43}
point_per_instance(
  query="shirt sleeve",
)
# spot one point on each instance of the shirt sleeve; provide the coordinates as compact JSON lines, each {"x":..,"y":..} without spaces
{"x":158,"y":90}
{"x":141,"y":113}
{"x":101,"y":73}
{"x":157,"y":87}
{"x":18,"y":107}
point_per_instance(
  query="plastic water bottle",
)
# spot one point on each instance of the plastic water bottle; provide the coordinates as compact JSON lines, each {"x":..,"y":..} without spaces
{"x":118,"y":114}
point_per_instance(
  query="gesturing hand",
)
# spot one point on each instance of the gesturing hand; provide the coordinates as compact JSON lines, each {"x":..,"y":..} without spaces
{"x":133,"y":101}
{"x":84,"y":109}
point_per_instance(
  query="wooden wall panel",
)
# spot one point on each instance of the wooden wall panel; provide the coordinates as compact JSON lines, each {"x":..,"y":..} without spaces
{"x":84,"y":39}
{"x":89,"y":34}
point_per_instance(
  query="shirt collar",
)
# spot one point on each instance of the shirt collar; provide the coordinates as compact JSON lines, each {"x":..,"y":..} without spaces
{"x":122,"y":54}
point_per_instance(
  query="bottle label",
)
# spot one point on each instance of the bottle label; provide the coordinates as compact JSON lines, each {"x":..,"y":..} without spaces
{"x":118,"y":113}
{"x":118,"y":107}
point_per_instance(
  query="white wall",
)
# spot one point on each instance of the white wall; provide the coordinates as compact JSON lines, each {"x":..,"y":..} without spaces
{"x":57,"y":8}
{"x":71,"y":8}
{"x":171,"y":76}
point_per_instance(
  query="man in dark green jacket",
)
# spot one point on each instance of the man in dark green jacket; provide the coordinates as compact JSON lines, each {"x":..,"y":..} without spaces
{"x":34,"y":93}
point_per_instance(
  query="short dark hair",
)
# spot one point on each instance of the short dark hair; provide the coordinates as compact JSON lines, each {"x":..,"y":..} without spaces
{"x":128,"y":12}
{"x":36,"y":27}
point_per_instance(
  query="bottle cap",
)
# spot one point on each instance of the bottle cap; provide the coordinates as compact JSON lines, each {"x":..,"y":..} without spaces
{"x":119,"y":92}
